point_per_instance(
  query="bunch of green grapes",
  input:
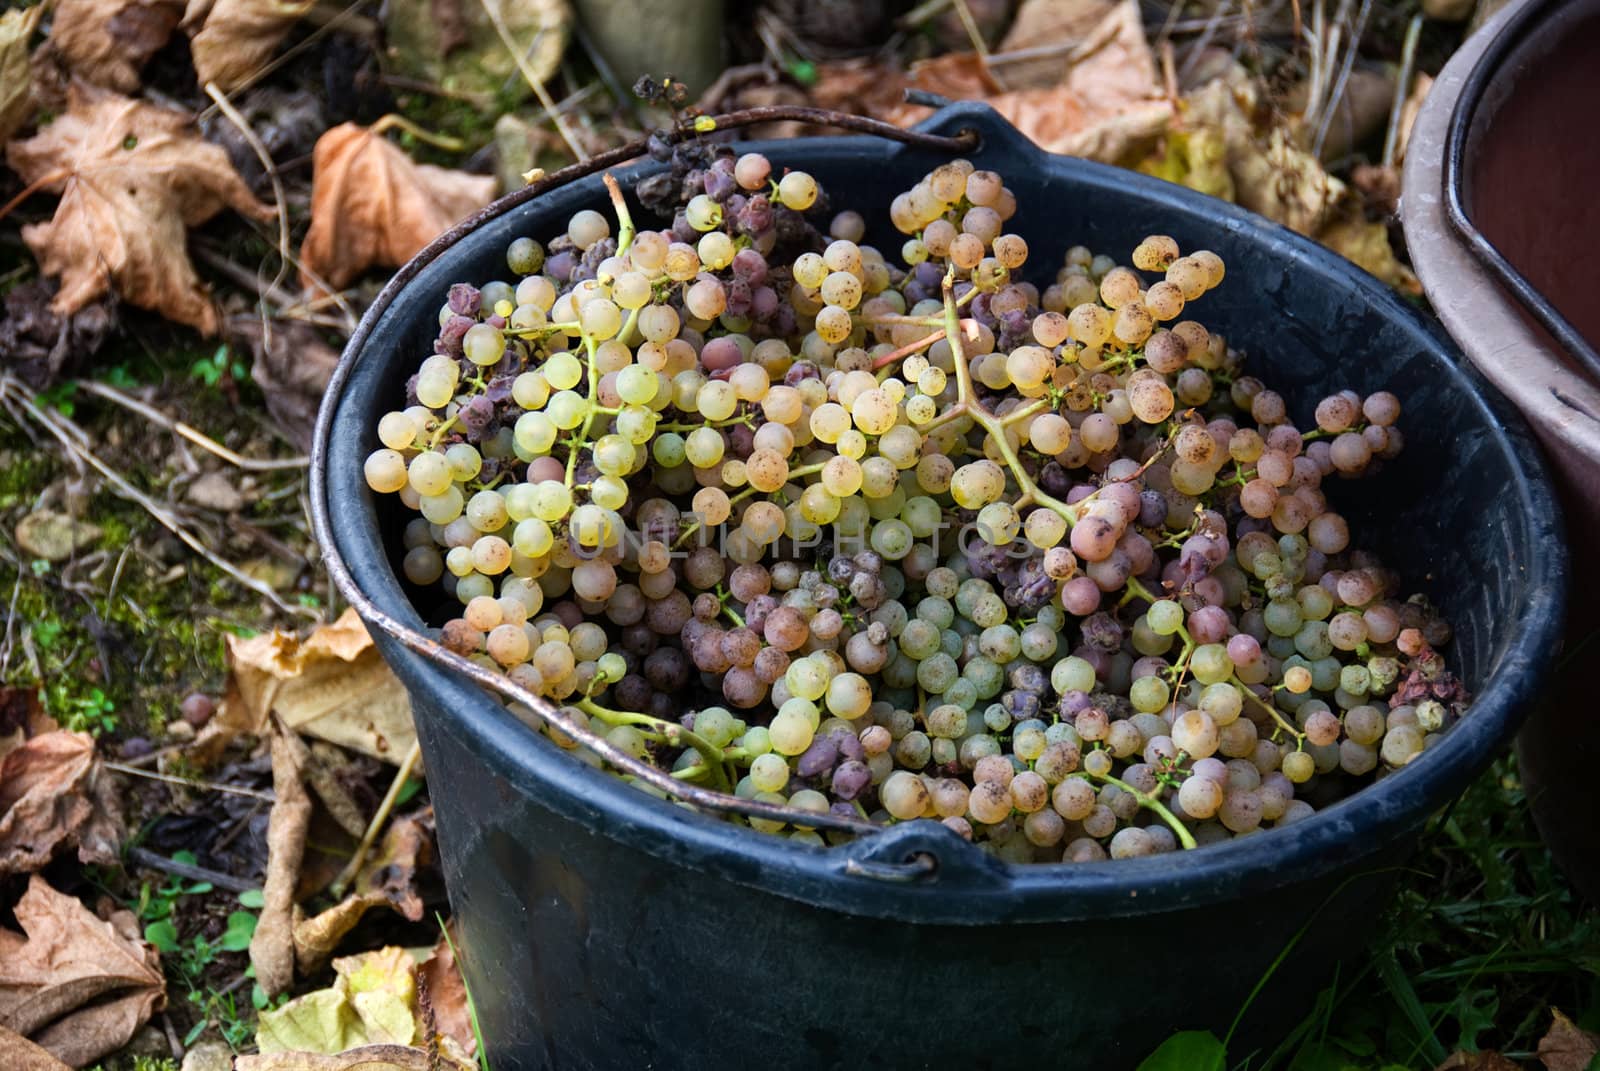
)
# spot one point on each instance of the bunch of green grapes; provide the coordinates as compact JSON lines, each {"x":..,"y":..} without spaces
{"x":909,"y":540}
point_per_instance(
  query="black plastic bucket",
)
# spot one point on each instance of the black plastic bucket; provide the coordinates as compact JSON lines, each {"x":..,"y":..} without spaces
{"x":606,"y":929}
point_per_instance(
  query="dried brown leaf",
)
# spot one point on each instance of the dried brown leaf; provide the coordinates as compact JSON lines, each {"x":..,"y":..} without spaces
{"x":387,"y":878}
{"x":16,"y":79}
{"x":327,"y":774}
{"x":1566,"y":1046}
{"x":233,"y":39}
{"x":78,"y":985}
{"x":133,"y":177}
{"x":365,"y":1058}
{"x":107,"y":42}
{"x":21,"y":716}
{"x":272,"y":947}
{"x":1040,"y":23}
{"x":332,"y":685}
{"x":371,"y":205}
{"x":1102,"y":101}
{"x":17,"y":1053}
{"x":292,"y":367}
{"x":447,"y":993}
{"x":54,"y":793}
{"x":1270,"y":174}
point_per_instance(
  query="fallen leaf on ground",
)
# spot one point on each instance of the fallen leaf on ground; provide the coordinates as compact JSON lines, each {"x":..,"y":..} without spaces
{"x":371,"y":1005}
{"x":1367,"y":245}
{"x":292,"y":367}
{"x":79,"y":986}
{"x":328,"y":773}
{"x":21,"y":716}
{"x":1566,"y":1046}
{"x":16,"y":95}
{"x":107,"y":42}
{"x":372,"y":205}
{"x":1103,"y":100}
{"x":54,"y":793}
{"x":440,"y":977}
{"x":1477,"y":1061}
{"x":463,"y":51}
{"x":332,"y":685}
{"x":17,"y":1053}
{"x":133,"y":177}
{"x":1040,"y":23}
{"x":272,"y":945}
{"x":233,"y":39}
{"x":366,"y":1058}
{"x":388,"y":878}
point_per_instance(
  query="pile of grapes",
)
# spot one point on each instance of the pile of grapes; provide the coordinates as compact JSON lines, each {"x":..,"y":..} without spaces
{"x":796,"y":523}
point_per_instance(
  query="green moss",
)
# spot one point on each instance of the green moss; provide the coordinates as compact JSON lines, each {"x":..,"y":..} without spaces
{"x":120,"y":658}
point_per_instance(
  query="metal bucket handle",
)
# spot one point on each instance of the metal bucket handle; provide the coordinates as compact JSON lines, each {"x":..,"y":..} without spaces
{"x":966,"y":140}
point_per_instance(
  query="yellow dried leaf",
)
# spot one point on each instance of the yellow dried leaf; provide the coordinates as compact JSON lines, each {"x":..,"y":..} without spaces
{"x":231,"y":40}
{"x":372,"y":1001}
{"x":16,"y":79}
{"x":332,"y":685}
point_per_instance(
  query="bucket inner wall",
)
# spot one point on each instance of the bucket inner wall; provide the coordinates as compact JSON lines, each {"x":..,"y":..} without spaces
{"x":1529,"y":183}
{"x":1465,"y":514}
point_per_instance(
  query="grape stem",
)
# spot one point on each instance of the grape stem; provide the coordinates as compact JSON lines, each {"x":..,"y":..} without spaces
{"x":1137,"y":590}
{"x":1024,"y":412}
{"x":732,"y":754}
{"x":907,"y":350}
{"x":624,"y":218}
{"x":987,"y":420}
{"x":1283,"y":723}
{"x":1151,"y":802}
{"x":580,"y":439}
{"x":672,"y":732}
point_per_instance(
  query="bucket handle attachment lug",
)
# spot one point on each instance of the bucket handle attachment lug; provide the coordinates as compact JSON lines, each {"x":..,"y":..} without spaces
{"x":921,"y":852}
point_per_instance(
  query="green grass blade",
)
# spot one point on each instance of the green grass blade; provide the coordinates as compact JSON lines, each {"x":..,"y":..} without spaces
{"x":472,"y":1007}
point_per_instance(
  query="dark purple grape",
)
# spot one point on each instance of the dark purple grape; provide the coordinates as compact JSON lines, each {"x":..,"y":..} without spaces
{"x":763,"y":303}
{"x":476,"y":417}
{"x":819,"y":758}
{"x":1029,"y":678}
{"x":1072,"y":702}
{"x":719,"y":185}
{"x":463,"y":299}
{"x":1101,"y":631}
{"x":450,"y":335}
{"x":850,"y":779}
{"x":667,"y":669}
{"x":561,"y":266}
{"x":750,"y":266}
{"x":632,"y":693}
